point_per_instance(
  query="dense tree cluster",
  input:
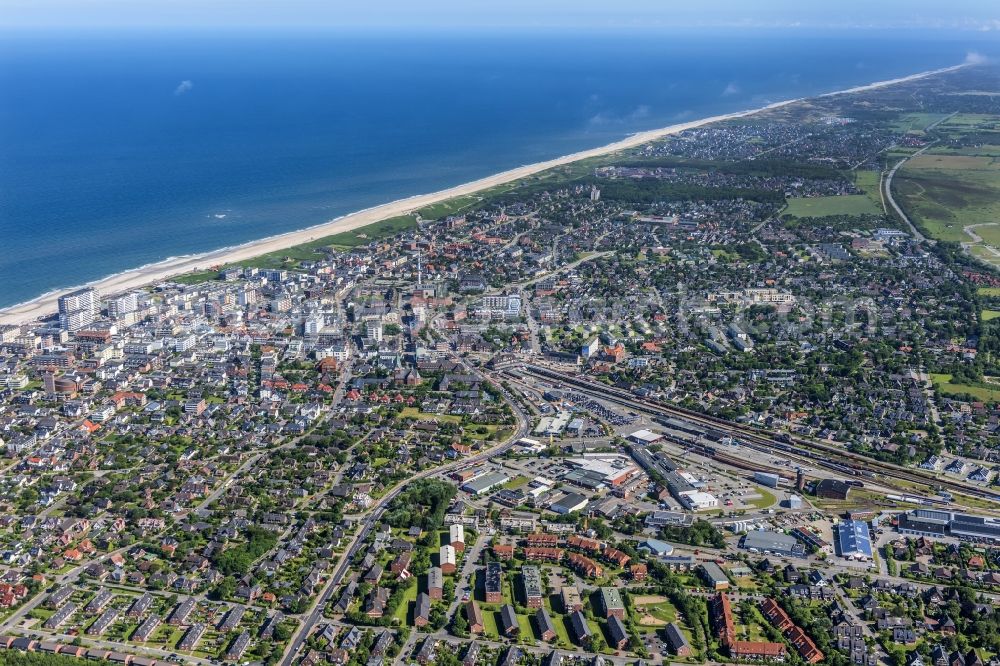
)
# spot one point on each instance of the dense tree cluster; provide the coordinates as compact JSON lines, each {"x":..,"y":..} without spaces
{"x":239,"y":559}
{"x":701,"y":533}
{"x":423,"y":503}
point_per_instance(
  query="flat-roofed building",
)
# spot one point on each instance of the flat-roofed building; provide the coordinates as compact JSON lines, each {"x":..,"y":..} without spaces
{"x":611,"y":603}
{"x":569,"y":503}
{"x":571,"y":599}
{"x":531,"y":586}
{"x":679,"y":562}
{"x":713,"y":574}
{"x":769,"y":542}
{"x":934,"y":523}
{"x":697,"y":500}
{"x":494,"y":583}
{"x":924,"y":522}
{"x":485,"y":483}
{"x":975,"y":528}
{"x":646,"y":437}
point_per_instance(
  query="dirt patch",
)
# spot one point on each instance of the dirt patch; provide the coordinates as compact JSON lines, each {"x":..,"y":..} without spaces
{"x":650,"y":621}
{"x":648,"y":599}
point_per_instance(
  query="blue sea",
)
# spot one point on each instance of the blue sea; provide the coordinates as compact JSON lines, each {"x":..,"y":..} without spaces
{"x":121,"y":149}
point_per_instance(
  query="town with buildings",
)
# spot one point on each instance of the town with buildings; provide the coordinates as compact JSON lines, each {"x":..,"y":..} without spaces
{"x":712,"y":400}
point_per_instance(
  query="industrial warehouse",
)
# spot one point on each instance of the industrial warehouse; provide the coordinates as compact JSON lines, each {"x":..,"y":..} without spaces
{"x":932,"y":523}
{"x":772,"y":543}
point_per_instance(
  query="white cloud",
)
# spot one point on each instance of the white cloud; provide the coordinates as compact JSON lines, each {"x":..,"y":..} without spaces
{"x":605,"y":118}
{"x":973,"y":58}
{"x":640,"y":112}
{"x":731,"y":89}
{"x":183,"y":87}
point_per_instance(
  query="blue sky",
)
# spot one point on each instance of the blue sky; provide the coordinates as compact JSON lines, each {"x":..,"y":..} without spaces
{"x":973,"y":15}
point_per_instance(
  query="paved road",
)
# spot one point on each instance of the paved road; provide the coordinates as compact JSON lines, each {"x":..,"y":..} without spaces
{"x":892,"y":201}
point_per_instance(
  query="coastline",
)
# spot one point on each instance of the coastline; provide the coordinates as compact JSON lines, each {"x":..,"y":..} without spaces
{"x":45,"y":304}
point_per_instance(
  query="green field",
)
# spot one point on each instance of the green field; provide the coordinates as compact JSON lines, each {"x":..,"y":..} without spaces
{"x":870,"y":182}
{"x":966,"y":121}
{"x":948,"y":190}
{"x":527,"y":629}
{"x":988,"y":291}
{"x":490,"y":624}
{"x":916,"y":122}
{"x":944,"y":193}
{"x":313,"y":250}
{"x":986,"y":150}
{"x":990,"y":314}
{"x":849,"y":204}
{"x":986,"y":254}
{"x":448,"y":207}
{"x":943,"y":383}
{"x":414,"y":413}
{"x":196,"y":278}
{"x":765,"y":500}
{"x":654,"y":612}
{"x":990,"y":233}
{"x":409,"y":598}
{"x":517,"y":482}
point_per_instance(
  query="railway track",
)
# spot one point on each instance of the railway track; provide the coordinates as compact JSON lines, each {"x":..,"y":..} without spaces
{"x":821,"y":454}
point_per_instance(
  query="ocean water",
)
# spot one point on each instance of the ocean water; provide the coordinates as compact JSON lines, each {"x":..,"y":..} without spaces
{"x":117,"y":150}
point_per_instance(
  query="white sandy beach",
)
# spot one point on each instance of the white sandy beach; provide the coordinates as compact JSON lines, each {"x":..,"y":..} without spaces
{"x":46,"y":304}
